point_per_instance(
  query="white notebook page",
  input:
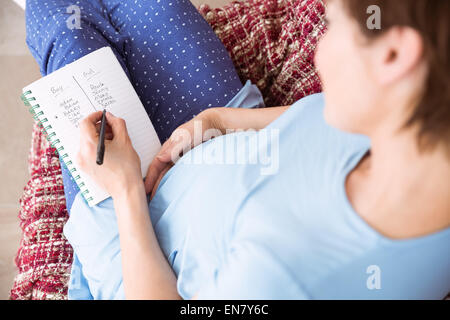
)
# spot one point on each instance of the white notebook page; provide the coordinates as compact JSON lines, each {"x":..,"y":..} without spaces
{"x":92,"y":83}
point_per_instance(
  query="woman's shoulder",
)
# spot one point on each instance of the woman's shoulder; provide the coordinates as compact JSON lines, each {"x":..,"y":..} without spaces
{"x":304,"y":114}
{"x":310,"y":106}
{"x":303,"y":128}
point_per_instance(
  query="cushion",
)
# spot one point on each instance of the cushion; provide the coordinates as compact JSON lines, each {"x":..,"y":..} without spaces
{"x":271,"y":43}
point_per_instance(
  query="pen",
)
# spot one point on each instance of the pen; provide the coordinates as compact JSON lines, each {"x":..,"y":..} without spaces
{"x":101,"y":140}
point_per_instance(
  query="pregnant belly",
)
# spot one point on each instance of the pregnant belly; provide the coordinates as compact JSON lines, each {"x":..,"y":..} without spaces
{"x":201,"y":197}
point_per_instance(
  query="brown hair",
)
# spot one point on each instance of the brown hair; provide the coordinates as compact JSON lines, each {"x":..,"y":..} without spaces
{"x":431,"y":19}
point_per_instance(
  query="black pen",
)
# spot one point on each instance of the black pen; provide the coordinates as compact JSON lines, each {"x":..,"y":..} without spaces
{"x":101,"y":140}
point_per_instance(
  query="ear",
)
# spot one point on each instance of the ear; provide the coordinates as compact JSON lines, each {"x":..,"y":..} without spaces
{"x":400,"y":51}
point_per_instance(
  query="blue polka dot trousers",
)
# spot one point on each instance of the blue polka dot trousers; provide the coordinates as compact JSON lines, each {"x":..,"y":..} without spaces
{"x":176,"y":63}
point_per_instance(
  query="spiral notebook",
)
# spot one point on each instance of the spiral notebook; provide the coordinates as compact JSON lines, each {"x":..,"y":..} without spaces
{"x":63,"y":98}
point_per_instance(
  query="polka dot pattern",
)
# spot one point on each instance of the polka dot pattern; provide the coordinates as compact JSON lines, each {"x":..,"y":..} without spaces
{"x":171,"y":55}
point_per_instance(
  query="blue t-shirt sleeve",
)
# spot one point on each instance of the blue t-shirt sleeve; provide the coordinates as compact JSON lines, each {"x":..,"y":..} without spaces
{"x":251,"y":272}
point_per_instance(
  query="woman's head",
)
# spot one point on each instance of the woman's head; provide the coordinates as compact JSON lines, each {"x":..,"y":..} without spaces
{"x":389,"y":78}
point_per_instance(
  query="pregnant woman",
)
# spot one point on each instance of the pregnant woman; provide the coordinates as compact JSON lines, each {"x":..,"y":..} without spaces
{"x":356,"y":207}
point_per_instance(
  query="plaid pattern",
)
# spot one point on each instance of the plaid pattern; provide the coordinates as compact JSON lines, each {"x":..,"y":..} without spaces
{"x":271,"y":42}
{"x":44,"y":257}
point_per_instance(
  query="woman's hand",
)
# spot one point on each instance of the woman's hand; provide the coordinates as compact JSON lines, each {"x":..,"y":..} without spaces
{"x":184,"y":138}
{"x":121,"y":168}
{"x":206,"y":125}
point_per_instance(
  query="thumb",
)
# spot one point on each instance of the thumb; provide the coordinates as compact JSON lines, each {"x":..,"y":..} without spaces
{"x":165,"y":154}
{"x":154,"y":170}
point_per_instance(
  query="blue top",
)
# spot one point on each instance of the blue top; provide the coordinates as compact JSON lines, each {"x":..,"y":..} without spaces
{"x":277,"y":224}
{"x":233,"y":232}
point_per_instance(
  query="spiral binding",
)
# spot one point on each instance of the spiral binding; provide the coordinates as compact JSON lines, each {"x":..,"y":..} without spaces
{"x":51,"y":137}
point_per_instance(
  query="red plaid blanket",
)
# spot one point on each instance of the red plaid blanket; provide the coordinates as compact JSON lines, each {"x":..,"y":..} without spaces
{"x":271,"y":42}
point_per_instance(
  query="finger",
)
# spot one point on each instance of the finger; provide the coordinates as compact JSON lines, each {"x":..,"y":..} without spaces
{"x":153,"y":172}
{"x":109,"y":136}
{"x":179,"y":149}
{"x":87,"y":126}
{"x":164,"y":154}
{"x":179,"y":142}
{"x":161,"y":160}
{"x":108,"y":131}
